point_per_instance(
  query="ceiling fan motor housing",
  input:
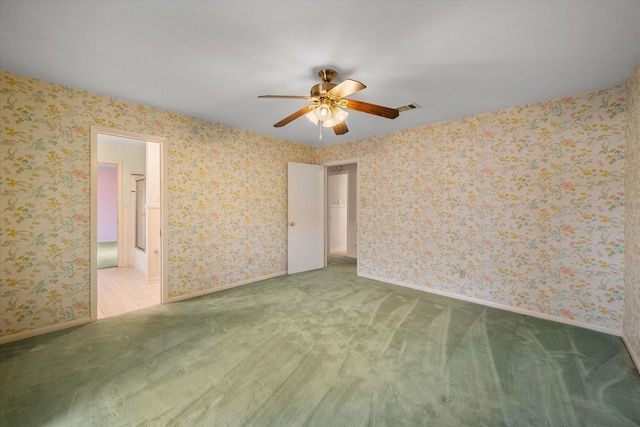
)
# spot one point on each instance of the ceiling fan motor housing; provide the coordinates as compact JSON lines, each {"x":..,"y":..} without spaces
{"x":326,"y":75}
{"x":321,"y":89}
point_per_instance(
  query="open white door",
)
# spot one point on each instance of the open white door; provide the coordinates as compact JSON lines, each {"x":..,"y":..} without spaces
{"x":306,"y":217}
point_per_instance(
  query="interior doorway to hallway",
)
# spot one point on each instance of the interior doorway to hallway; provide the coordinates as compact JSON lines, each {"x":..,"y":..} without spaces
{"x":342,"y":210}
{"x":134,"y":280}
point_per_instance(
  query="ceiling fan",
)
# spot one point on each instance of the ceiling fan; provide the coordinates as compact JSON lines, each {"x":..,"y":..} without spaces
{"x":329,"y":99}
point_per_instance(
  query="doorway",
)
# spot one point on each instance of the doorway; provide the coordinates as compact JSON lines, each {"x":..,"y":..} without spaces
{"x":338,"y":193}
{"x":135,"y":281}
{"x":342,"y":211}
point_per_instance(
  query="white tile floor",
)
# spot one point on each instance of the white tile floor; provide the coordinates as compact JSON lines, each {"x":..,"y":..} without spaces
{"x":121,"y":290}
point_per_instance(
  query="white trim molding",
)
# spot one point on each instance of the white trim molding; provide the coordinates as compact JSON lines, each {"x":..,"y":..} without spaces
{"x":222,"y":288}
{"x":518,"y":310}
{"x":164,"y":156}
{"x":355,"y":161}
{"x":634,"y":357}
{"x":60,"y":326}
{"x":45,"y":330}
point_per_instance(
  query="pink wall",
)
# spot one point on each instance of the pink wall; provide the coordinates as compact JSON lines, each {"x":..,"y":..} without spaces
{"x":107,"y":203}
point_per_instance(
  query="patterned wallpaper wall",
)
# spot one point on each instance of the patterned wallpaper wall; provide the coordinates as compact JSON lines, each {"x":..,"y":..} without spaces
{"x":526,"y":203}
{"x":632,"y":214}
{"x":226,"y":201}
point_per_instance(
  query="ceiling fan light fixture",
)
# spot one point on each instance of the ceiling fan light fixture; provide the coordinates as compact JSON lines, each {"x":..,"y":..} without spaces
{"x":311,"y":115}
{"x":328,"y":101}
{"x":338,"y":115}
{"x":323,"y":112}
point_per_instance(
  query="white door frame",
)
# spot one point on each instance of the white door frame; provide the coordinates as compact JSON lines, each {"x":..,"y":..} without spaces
{"x":164,"y":151}
{"x":357,"y":197}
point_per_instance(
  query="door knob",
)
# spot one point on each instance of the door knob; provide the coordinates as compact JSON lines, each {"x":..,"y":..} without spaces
{"x":292,"y":224}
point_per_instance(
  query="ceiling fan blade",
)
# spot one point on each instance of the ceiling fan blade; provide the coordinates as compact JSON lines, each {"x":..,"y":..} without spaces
{"x":378,"y":110}
{"x":346,"y":88}
{"x":292,"y":117}
{"x":287,"y":96}
{"x":341,"y":128}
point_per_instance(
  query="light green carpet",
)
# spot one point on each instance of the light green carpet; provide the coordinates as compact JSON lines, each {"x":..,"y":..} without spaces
{"x":107,"y":254}
{"x":322,"y":348}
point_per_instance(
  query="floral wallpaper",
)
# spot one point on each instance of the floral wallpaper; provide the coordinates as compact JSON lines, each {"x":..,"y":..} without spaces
{"x":632,"y":215}
{"x":226,"y":199}
{"x":522,"y":207}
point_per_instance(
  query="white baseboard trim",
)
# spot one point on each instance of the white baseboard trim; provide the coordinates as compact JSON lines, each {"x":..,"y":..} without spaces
{"x":518,"y":310}
{"x":153,"y":281}
{"x":222,"y":288}
{"x":634,"y":356}
{"x":34,"y":332}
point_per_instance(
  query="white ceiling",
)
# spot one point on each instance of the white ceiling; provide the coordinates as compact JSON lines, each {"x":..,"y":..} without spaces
{"x":211,"y":59}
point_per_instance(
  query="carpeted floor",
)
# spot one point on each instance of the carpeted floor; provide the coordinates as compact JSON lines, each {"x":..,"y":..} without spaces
{"x":107,"y":254}
{"x":321,"y":348}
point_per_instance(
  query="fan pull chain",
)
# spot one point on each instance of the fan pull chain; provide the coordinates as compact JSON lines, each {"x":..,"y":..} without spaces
{"x":320,"y":132}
